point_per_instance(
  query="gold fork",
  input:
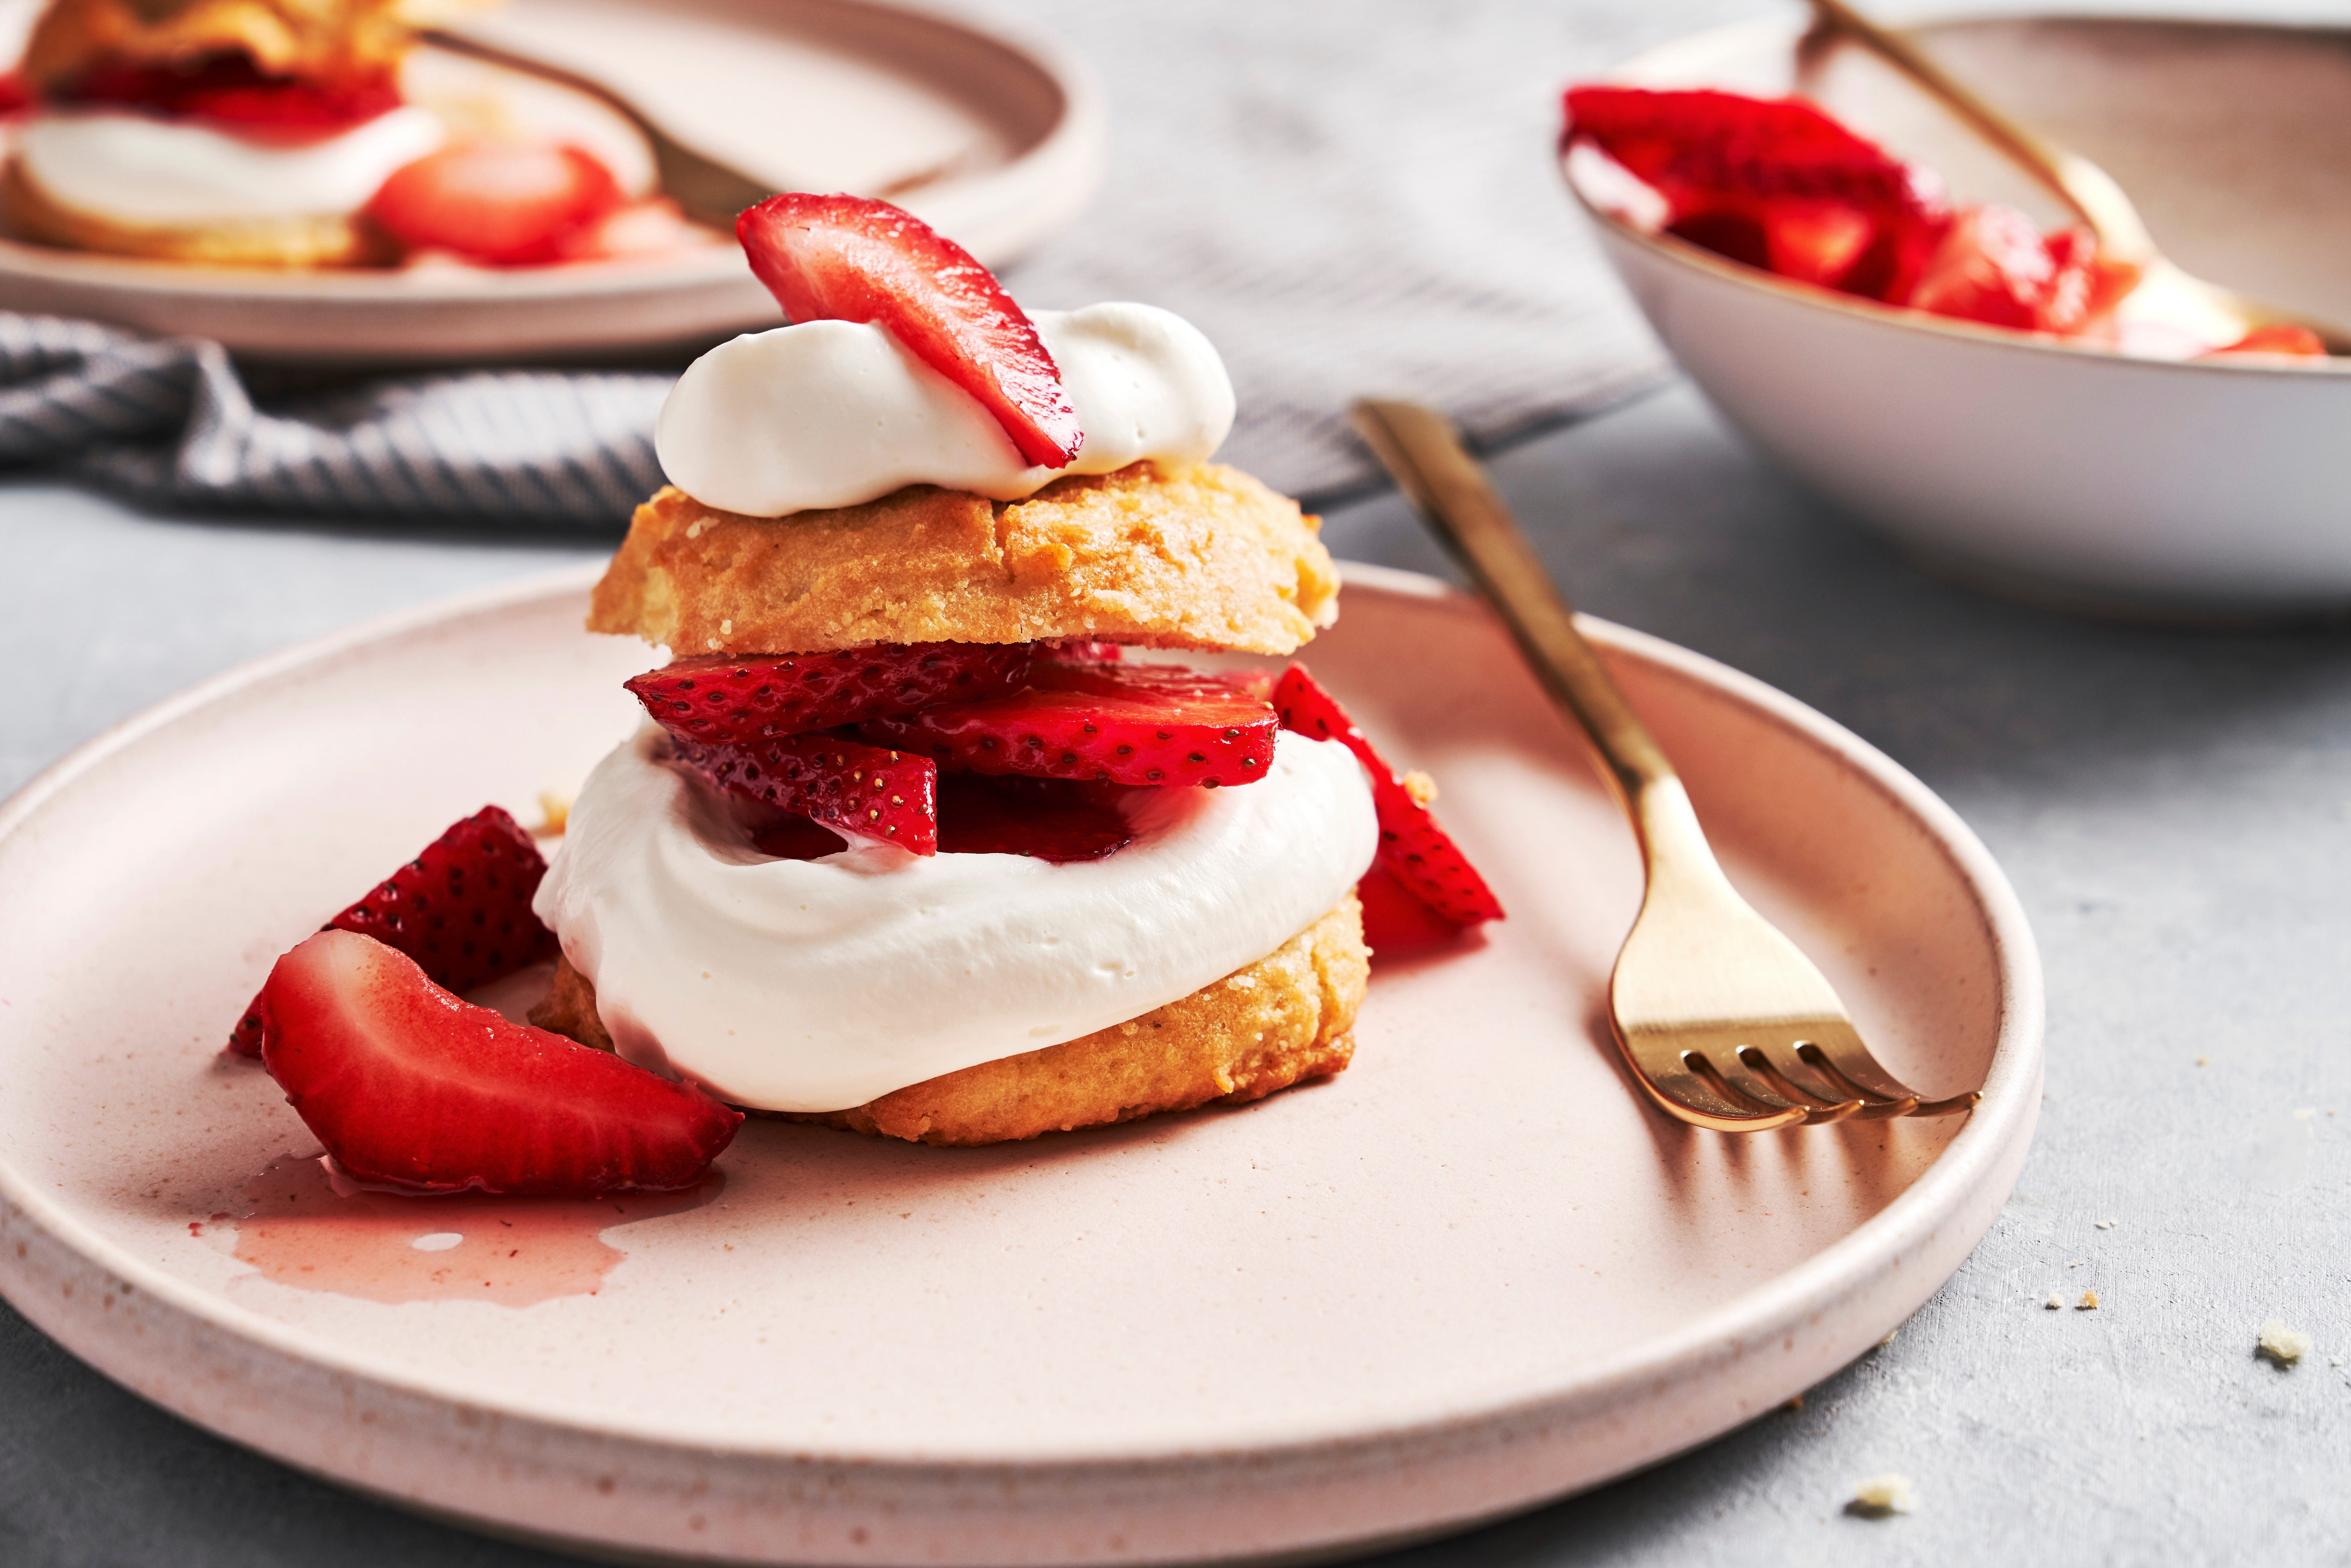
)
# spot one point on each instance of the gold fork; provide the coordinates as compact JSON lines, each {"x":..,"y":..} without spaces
{"x":1722,"y":1018}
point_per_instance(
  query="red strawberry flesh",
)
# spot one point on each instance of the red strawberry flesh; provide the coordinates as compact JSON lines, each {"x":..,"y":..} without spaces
{"x":737,"y":699}
{"x":866,"y":792}
{"x":1117,"y":723}
{"x":1057,"y":819}
{"x":461,"y":909}
{"x":846,"y":259}
{"x":1420,"y":855}
{"x":1774,"y":183}
{"x":501,"y":203}
{"x":409,"y":1087}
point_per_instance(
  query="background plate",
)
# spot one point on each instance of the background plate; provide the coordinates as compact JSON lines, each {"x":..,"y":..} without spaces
{"x":993,"y":136}
{"x":1470,"y":1274}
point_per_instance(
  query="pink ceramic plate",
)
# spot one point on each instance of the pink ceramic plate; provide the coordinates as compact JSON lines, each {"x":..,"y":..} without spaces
{"x":1472,"y":1273}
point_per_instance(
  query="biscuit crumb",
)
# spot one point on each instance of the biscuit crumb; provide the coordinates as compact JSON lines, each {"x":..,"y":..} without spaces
{"x":2088,"y":1303}
{"x":554,"y":813}
{"x":2106,"y":1224}
{"x":1881,"y":1496}
{"x":2203,"y":1061}
{"x":2280,"y":1345}
{"x":2056,"y":1303}
{"x":1420,"y":786}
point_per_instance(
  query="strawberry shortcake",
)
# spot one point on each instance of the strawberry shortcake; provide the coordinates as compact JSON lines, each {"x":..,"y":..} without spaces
{"x":926,"y":837}
{"x":959,"y":814}
{"x":304,"y":133}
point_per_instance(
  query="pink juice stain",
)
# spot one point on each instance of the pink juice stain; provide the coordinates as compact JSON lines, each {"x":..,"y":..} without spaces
{"x":307,"y":1228}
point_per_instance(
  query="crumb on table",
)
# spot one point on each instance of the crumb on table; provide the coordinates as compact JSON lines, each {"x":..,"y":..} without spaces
{"x":2088,"y":1303}
{"x":2280,"y":1345}
{"x":1880,"y":1496}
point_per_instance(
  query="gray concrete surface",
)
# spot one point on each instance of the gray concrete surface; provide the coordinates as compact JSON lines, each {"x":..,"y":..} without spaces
{"x":2174,"y":807}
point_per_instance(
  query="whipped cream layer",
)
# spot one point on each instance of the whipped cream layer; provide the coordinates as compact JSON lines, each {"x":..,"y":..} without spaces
{"x":820,"y":985}
{"x":831,"y":414}
{"x":142,"y":172}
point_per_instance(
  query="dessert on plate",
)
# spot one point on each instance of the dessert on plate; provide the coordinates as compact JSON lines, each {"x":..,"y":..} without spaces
{"x":935,"y":829}
{"x":1779,"y":184}
{"x":313,"y":133}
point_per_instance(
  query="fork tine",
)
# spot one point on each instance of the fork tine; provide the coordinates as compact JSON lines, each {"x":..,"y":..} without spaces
{"x":1731,"y":1067}
{"x":1834,"y":1050}
{"x":1825,"y":1107}
{"x":1696,"y":1093}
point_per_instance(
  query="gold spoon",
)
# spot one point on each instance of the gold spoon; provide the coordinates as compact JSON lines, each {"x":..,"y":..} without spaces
{"x":2165,"y":291}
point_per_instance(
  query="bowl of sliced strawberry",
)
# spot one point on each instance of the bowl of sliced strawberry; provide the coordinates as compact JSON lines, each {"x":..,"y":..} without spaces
{"x":1893,"y":315}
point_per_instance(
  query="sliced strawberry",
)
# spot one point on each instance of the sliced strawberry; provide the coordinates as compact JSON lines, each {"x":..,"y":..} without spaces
{"x":732,"y":699}
{"x":867,"y":791}
{"x":1395,"y":921}
{"x":1423,"y":858}
{"x":1995,"y":267}
{"x":461,"y":909}
{"x":232,"y":92}
{"x":409,"y":1087}
{"x":1774,"y":183}
{"x":503,"y":203}
{"x":846,"y":258}
{"x":1126,"y":724}
{"x":792,"y":837}
{"x":1058,"y":819}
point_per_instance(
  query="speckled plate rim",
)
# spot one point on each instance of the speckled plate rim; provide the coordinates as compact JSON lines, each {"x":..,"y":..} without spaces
{"x":1892,"y":1261}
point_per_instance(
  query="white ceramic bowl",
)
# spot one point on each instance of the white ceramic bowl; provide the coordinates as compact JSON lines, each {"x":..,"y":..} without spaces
{"x":2106,"y":481}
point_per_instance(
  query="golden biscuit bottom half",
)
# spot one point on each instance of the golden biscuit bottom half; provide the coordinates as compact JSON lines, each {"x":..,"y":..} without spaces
{"x":325,"y":240}
{"x":1180,"y":556}
{"x":1281,"y":1020}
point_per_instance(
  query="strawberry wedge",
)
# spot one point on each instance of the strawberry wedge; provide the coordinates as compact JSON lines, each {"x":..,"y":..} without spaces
{"x":409,"y":1087}
{"x":846,"y":258}
{"x":868,"y":791}
{"x":1417,"y":852}
{"x":1115,"y":722}
{"x":734,"y":700}
{"x":460,"y":910}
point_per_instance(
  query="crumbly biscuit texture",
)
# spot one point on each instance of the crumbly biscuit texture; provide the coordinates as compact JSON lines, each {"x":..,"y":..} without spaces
{"x":321,"y":240}
{"x":1197,"y":556}
{"x":319,"y":40}
{"x":1279,"y":1021}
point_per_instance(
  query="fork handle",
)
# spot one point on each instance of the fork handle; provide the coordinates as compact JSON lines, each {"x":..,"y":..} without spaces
{"x":1422,"y":450}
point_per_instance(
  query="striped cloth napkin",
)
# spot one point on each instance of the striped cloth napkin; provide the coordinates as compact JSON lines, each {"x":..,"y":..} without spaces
{"x":1350,"y":200}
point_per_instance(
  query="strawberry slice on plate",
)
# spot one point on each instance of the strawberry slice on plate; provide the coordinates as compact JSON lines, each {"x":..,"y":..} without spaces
{"x":409,"y":1087}
{"x":732,"y":699}
{"x":866,"y":792}
{"x":1412,"y":846}
{"x":460,"y":910}
{"x":502,"y":204}
{"x":1116,"y":722}
{"x":846,"y":259}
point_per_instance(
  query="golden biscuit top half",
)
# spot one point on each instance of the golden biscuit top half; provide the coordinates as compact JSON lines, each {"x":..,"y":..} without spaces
{"x":1169,"y":556}
{"x":319,"y":40}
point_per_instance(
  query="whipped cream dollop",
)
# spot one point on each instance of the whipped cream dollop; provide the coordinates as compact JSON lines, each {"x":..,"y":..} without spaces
{"x":820,"y":985}
{"x":830,"y":414}
{"x":143,"y":173}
